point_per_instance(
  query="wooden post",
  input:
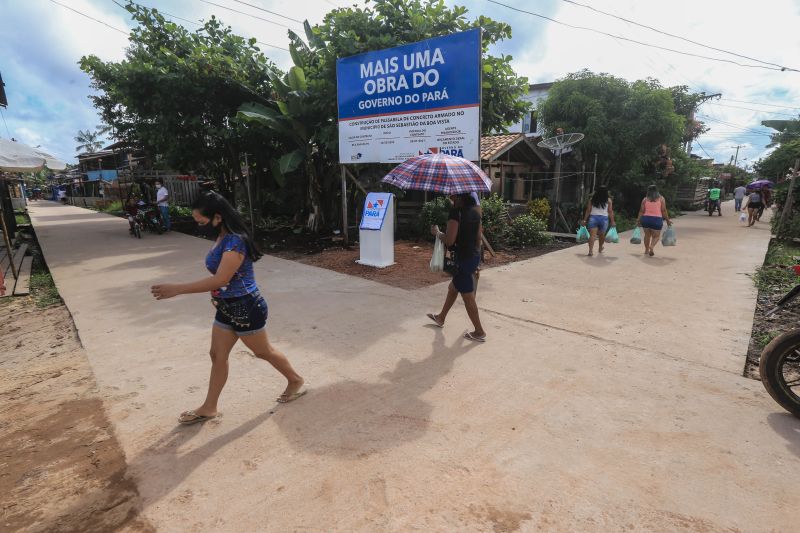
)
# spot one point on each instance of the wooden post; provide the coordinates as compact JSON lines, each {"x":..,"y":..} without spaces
{"x":345,"y":230}
{"x":787,"y":207}
{"x":9,"y":251}
{"x":249,"y":197}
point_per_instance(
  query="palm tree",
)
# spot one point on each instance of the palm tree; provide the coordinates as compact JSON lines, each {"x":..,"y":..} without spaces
{"x":90,"y":140}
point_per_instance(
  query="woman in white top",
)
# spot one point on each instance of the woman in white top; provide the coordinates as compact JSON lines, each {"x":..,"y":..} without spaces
{"x":599,"y":212}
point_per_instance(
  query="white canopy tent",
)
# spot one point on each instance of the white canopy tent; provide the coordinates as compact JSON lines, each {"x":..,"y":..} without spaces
{"x":18,"y":157}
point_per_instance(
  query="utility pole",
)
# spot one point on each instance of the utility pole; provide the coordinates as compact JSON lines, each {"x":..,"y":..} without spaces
{"x":736,"y":159}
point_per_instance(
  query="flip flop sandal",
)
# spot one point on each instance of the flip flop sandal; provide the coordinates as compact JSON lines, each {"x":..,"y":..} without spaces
{"x":470,"y":336}
{"x":292,"y":397}
{"x":193,"y":418}
{"x":433,"y":317}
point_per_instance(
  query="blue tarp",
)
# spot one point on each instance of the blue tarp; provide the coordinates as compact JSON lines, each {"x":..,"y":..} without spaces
{"x":108,"y":175}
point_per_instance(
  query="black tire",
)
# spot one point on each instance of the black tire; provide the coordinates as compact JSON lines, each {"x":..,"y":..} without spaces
{"x":783,"y":350}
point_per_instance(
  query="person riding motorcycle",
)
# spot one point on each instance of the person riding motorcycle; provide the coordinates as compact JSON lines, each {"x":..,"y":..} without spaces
{"x":714,"y":203}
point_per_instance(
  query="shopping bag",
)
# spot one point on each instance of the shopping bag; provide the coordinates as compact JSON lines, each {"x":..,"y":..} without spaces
{"x":582,"y":235}
{"x":437,"y":260}
{"x":742,"y":217}
{"x":636,"y":238}
{"x":669,"y":238}
{"x":612,"y":235}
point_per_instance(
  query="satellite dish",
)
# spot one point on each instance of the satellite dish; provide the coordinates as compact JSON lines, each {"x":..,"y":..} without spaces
{"x":559,"y":142}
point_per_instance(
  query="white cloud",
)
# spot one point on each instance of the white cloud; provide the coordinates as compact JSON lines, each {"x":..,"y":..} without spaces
{"x":749,"y":28}
{"x":48,"y":103}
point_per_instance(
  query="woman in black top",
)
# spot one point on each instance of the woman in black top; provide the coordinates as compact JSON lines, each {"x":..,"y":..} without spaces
{"x":463,"y":232}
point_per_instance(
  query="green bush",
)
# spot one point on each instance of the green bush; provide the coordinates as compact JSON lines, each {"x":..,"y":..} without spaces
{"x":434,"y":213}
{"x":624,"y":222}
{"x":495,"y":219}
{"x":113,"y":207}
{"x":539,"y":208}
{"x":528,"y":230}
{"x":179,"y":211}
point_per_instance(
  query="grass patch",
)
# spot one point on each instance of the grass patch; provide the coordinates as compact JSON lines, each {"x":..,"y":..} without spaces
{"x":20,"y":218}
{"x":43,"y":289}
{"x":776,"y":275}
{"x":762,"y":339}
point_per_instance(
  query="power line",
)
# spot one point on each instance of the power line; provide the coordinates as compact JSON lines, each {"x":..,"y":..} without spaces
{"x":268,"y":11}
{"x":757,"y":110}
{"x":6,"y":124}
{"x":760,"y":103}
{"x":678,"y":36}
{"x":703,"y":149}
{"x":90,"y":17}
{"x":246,"y":14}
{"x":192,"y":22}
{"x":633,"y":40}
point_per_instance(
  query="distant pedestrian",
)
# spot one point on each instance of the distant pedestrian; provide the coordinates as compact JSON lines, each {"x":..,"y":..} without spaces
{"x":738,"y":196}
{"x":754,"y":204}
{"x":162,"y":201}
{"x":652,"y":214}
{"x":599,"y":214}
{"x":241,"y":310}
{"x":464,"y":232}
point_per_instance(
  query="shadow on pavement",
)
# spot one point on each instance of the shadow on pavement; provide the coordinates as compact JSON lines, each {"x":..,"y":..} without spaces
{"x":598,"y":260}
{"x":354,"y":419}
{"x":788,"y":427}
{"x":349,"y":419}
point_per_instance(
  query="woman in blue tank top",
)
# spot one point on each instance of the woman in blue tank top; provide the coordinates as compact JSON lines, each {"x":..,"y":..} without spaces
{"x":241,"y":311}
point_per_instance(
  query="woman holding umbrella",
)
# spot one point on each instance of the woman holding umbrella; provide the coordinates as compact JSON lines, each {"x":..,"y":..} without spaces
{"x":457,"y":178}
{"x":464,"y":233}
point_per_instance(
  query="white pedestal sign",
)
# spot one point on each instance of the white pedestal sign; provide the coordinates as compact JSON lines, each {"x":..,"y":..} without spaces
{"x":376,"y":232}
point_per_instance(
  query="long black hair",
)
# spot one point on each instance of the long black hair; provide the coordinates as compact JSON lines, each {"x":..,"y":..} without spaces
{"x":210,"y":203}
{"x":600,"y":197}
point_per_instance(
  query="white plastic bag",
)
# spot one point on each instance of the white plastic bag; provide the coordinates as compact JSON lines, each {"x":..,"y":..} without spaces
{"x":742,"y":218}
{"x":437,"y":260}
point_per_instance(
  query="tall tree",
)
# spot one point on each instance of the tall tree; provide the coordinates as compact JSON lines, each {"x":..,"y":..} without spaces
{"x":306,"y":117}
{"x":628,"y":124}
{"x":89,"y":141}
{"x":777,"y":164}
{"x":176,"y":90}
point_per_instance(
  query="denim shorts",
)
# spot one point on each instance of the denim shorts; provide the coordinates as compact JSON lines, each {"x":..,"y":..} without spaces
{"x":464,"y":281}
{"x":244,"y":315}
{"x":653,"y":223}
{"x":598,"y":221}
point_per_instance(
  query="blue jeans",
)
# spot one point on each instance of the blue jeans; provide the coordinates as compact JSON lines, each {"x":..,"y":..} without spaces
{"x":598,"y":221}
{"x":738,"y":203}
{"x":165,"y":216}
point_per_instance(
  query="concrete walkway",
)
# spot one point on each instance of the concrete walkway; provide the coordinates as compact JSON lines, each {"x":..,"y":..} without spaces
{"x":608,"y":398}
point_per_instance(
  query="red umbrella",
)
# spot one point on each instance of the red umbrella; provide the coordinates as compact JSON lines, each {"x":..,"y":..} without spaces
{"x":442,"y":173}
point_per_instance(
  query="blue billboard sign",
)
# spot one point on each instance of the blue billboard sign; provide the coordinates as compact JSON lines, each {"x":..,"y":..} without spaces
{"x":418,"y":98}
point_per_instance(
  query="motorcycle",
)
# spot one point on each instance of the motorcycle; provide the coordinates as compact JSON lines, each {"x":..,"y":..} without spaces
{"x":780,"y":363}
{"x":714,"y":205}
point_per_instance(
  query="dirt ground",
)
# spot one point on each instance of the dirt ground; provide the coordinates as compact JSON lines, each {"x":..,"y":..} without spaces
{"x":411,"y":270}
{"x":61,"y":467}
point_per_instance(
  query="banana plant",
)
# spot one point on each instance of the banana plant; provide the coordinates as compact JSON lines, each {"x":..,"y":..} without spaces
{"x":289,"y":116}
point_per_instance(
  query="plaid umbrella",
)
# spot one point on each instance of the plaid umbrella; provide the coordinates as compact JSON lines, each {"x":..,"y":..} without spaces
{"x":440,"y":173}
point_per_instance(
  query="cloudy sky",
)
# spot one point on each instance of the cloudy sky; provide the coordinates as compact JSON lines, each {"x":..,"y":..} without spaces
{"x":41,"y":42}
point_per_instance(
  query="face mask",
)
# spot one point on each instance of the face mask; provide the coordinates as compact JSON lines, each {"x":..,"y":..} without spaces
{"x":209,"y":230}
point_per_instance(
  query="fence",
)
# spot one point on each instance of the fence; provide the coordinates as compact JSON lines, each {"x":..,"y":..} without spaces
{"x":183,"y":188}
